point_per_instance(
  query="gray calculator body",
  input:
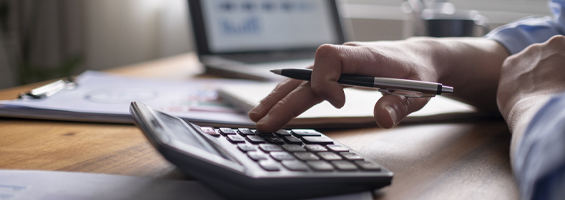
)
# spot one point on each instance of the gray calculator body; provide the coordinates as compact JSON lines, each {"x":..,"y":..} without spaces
{"x":226,"y":163}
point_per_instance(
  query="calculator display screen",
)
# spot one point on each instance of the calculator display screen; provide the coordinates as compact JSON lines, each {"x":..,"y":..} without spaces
{"x":184,"y":134}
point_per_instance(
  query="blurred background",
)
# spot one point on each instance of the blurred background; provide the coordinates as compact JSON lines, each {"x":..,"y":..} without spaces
{"x":46,"y":39}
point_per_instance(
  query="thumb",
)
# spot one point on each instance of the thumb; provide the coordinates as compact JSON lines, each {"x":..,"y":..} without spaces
{"x":391,"y":109}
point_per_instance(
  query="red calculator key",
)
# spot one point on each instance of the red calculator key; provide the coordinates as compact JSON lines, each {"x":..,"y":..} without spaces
{"x":210,"y":131}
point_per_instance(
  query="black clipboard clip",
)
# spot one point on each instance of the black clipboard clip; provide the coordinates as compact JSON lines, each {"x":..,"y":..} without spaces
{"x":49,"y":89}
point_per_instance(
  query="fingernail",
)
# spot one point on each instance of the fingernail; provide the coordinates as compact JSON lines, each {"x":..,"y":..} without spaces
{"x":263,"y":120}
{"x":393,"y":115}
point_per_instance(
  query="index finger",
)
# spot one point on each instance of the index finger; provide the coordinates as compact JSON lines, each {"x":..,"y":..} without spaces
{"x":281,"y":91}
{"x":289,"y":107}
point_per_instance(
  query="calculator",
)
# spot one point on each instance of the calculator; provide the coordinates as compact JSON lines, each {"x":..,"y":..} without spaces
{"x":243,"y":163}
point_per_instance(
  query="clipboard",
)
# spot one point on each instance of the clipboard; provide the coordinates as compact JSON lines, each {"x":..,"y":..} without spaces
{"x":102,"y":97}
{"x":49,"y":89}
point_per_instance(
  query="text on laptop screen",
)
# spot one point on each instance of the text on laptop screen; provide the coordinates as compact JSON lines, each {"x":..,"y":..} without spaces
{"x":255,"y":25}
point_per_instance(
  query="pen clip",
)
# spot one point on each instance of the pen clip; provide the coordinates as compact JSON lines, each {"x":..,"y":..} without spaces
{"x":406,"y":93}
{"x":49,"y":89}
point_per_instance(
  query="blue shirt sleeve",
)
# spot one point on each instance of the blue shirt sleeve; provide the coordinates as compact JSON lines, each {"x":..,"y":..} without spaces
{"x":516,"y":36}
{"x":539,"y":163}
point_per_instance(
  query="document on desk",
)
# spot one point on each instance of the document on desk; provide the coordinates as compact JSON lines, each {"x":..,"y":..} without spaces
{"x":102,"y":97}
{"x":50,"y":185}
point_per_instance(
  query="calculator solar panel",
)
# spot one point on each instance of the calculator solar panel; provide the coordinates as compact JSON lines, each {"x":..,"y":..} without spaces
{"x":242,"y":163}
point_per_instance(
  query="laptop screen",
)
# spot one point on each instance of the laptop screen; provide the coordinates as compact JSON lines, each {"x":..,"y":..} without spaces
{"x":259,"y":25}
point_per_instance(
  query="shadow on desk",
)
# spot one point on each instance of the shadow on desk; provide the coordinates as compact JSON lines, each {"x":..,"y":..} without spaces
{"x":440,"y":161}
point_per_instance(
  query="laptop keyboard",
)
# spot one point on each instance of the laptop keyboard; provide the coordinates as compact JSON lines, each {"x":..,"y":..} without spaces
{"x":269,"y":57}
{"x":294,"y":150}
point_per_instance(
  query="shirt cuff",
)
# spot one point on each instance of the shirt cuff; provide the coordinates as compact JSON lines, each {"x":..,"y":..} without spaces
{"x":516,"y":36}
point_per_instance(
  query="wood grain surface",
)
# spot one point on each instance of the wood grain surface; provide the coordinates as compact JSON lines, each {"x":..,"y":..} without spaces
{"x":467,"y":160}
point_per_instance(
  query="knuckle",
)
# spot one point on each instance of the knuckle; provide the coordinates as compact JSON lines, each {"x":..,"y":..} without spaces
{"x":511,"y":59}
{"x":353,"y":43}
{"x":556,"y":42}
{"x":326,"y":50}
{"x":536,"y":47}
{"x":533,"y":47}
{"x":558,"y":39}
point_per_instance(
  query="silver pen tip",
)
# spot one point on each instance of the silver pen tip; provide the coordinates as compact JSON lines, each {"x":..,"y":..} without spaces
{"x":276,"y":71}
{"x":446,"y":89}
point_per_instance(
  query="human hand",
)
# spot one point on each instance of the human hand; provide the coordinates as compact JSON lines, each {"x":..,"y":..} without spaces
{"x":454,"y":62}
{"x":293,"y":97}
{"x":529,"y":78}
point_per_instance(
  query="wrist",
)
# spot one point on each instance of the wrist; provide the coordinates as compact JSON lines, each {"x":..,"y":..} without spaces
{"x":471,"y":65}
{"x":522,"y":111}
{"x":519,"y":116}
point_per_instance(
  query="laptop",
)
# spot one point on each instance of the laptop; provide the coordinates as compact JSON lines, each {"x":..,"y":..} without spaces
{"x":247,"y":38}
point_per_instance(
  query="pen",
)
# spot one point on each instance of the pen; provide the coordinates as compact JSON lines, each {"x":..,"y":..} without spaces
{"x":388,"y":85}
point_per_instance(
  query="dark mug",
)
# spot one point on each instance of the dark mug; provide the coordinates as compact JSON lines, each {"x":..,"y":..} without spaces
{"x":450,"y":27}
{"x":461,"y":24}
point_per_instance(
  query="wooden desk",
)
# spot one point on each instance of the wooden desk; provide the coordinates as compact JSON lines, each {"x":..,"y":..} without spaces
{"x":433,"y":161}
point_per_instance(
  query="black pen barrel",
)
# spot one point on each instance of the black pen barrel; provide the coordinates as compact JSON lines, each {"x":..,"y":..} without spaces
{"x":373,"y":82}
{"x":356,"y":80}
{"x":345,"y":79}
{"x":300,"y":74}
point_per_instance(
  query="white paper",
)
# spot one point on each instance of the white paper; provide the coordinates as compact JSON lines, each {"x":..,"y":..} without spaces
{"x":101,"y":93}
{"x":50,"y":185}
{"x":359,"y":103}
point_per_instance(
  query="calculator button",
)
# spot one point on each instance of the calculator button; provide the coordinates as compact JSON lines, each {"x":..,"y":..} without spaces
{"x":293,"y":147}
{"x":246,"y":147}
{"x":255,"y":139}
{"x":365,"y":165}
{"x":281,"y":156}
{"x":329,"y":156}
{"x":274,"y":140}
{"x":338,"y":148}
{"x":245,"y":131}
{"x":283,"y":132}
{"x":227,"y":131}
{"x":210,"y":131}
{"x":256,"y":156}
{"x":270,"y":147}
{"x":351,"y":156}
{"x":306,"y":156}
{"x":344,"y":165}
{"x":292,"y":140}
{"x":269,"y":165}
{"x":263,"y":134}
{"x":294,"y":165}
{"x":315,"y":147}
{"x":317,"y":140}
{"x":320,"y":165}
{"x":236,"y":139}
{"x":305,"y":132}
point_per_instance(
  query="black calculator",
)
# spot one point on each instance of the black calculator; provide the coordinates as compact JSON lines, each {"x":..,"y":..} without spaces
{"x":242,"y":163}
